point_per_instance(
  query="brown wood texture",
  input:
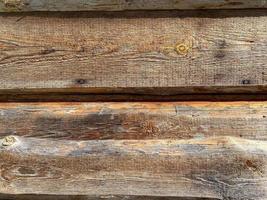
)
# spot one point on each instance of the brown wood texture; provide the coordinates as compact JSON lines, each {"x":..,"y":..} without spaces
{"x":170,"y":120}
{"x":218,"y":168}
{"x":118,"y":5}
{"x":162,"y":53}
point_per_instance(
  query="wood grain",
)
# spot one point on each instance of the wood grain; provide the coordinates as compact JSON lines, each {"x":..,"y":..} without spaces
{"x":170,"y":120}
{"x":218,"y":168}
{"x":118,"y":5}
{"x":162,"y":53}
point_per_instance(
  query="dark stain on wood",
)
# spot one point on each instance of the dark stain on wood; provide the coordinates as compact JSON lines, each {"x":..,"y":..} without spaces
{"x":246,"y":82}
{"x":81,"y":81}
{"x":26,"y":170}
{"x":221,"y":49}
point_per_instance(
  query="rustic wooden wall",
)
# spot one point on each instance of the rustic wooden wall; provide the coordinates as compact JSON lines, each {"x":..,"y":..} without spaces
{"x":155,"y":150}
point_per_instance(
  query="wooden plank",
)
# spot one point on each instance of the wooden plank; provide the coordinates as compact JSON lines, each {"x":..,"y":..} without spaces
{"x":84,"y":197}
{"x":119,"y":5}
{"x":161,"y":53}
{"x":219,"y":168}
{"x":108,"y":197}
{"x":175,"y":120}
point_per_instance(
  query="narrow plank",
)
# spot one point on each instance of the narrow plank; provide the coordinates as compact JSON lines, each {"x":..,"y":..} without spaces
{"x":169,"y":120}
{"x":119,"y":5}
{"x":219,"y":168}
{"x":84,"y":197}
{"x":160,"y":53}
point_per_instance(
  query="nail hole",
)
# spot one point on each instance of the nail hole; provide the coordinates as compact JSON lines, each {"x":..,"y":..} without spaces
{"x":81,"y":81}
{"x":246,"y":82}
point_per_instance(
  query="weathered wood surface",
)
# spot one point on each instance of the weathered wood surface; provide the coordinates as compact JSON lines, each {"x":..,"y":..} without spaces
{"x":84,"y":197}
{"x":219,"y":168}
{"x":180,"y":120}
{"x":162,"y":53}
{"x":119,"y":5}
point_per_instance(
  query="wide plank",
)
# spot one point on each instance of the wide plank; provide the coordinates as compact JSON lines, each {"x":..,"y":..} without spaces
{"x":118,"y":5}
{"x":218,"y":168}
{"x":162,"y":53}
{"x":155,"y":120}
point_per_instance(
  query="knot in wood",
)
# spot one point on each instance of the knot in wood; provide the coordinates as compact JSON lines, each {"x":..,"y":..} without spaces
{"x":182,"y":49}
{"x":8,"y":141}
{"x":14,"y":5}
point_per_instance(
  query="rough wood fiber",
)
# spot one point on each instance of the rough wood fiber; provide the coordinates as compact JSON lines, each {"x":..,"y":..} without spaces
{"x":219,"y":168}
{"x":184,"y":120}
{"x":134,"y":52}
{"x":118,"y":5}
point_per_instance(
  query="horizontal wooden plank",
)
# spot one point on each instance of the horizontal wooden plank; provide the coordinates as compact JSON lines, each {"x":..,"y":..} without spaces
{"x":84,"y":197}
{"x":118,"y":5}
{"x":161,"y":53}
{"x":219,"y":168}
{"x":176,"y":120}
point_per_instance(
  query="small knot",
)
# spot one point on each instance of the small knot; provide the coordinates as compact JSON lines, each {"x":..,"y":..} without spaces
{"x":13,"y":3}
{"x":182,"y":49}
{"x":8,"y":141}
